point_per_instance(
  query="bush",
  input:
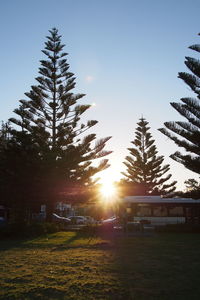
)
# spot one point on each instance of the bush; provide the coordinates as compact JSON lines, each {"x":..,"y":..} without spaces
{"x":179,"y":228}
{"x":27,"y":230}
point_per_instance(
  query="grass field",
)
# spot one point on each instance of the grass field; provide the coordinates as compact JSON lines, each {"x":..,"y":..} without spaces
{"x":70,"y":265}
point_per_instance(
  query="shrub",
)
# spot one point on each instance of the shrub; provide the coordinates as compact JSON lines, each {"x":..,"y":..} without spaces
{"x":179,"y":228}
{"x":27,"y":230}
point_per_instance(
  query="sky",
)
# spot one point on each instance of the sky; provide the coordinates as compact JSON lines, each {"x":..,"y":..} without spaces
{"x":125,"y":55}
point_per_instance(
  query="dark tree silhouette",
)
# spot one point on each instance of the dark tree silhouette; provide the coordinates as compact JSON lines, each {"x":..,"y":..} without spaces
{"x":192,"y":184}
{"x":51,"y":115}
{"x":145,"y":174}
{"x":20,"y":174}
{"x":50,"y":124}
{"x":4,"y":137}
{"x":186,"y":134}
{"x":192,"y":189}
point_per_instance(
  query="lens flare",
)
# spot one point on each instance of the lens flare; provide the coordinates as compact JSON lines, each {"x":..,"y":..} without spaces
{"x":108,"y":193}
{"x":108,"y":189}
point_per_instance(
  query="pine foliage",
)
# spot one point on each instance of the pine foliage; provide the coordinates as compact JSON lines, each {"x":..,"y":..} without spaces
{"x":51,"y":116}
{"x":144,"y":169}
{"x":186,"y":134}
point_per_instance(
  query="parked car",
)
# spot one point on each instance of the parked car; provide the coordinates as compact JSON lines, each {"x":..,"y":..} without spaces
{"x":78,"y":220}
{"x":110,"y":220}
{"x":90,"y":220}
{"x":58,"y":218}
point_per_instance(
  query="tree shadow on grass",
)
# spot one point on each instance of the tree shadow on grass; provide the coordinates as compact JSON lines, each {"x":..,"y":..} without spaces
{"x":54,"y":242}
{"x":43,"y":241}
{"x":157,"y":266}
{"x":6,"y":244}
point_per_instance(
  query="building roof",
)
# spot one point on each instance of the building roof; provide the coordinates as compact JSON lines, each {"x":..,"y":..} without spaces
{"x":158,"y":199}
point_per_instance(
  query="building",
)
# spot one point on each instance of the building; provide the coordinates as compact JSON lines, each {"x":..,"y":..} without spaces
{"x":161,"y":211}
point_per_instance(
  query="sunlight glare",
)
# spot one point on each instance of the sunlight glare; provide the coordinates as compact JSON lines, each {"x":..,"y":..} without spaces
{"x":108,"y":189}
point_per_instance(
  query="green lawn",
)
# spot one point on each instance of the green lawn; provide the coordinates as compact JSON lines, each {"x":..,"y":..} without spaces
{"x":69,"y":265}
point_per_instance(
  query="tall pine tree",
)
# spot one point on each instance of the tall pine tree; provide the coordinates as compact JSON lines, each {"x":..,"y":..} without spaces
{"x":145,"y":174}
{"x":50,"y":117}
{"x":186,"y":134}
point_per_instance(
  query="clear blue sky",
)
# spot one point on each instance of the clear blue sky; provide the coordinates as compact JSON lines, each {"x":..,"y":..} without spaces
{"x":125,"y":55}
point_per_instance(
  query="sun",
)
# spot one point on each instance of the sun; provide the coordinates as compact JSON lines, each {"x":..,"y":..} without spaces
{"x":108,"y":189}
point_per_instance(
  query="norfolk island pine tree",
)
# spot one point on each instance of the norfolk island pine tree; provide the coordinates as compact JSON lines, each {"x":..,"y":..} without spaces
{"x":186,"y":134}
{"x":145,"y":173}
{"x":50,"y":117}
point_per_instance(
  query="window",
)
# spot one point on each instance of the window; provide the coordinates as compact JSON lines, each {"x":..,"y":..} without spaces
{"x":143,"y":210}
{"x":176,"y":211}
{"x":160,"y":211}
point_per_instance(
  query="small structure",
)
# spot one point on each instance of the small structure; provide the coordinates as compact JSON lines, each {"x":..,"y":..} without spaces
{"x":157,"y":210}
{"x":64,"y":209}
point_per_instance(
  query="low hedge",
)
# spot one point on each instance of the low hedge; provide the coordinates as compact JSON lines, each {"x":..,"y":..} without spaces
{"x":179,"y":228}
{"x":27,"y":230}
